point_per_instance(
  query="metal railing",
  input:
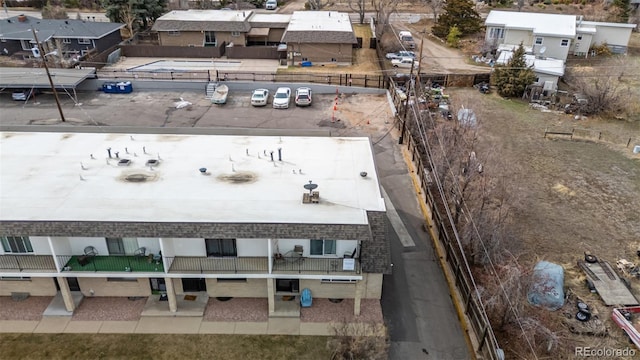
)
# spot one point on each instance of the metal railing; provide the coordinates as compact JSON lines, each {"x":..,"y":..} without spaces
{"x":315,"y":265}
{"x":27,"y":262}
{"x":112,"y":263}
{"x":200,"y":264}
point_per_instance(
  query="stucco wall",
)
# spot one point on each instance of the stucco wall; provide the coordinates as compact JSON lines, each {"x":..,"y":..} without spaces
{"x":185,"y":38}
{"x":35,"y":287}
{"x":102,"y":287}
{"x":256,"y":288}
{"x":323,"y":53}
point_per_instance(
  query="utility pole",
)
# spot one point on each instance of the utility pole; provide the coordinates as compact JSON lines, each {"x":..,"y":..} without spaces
{"x":406,"y":104}
{"x":46,"y":69}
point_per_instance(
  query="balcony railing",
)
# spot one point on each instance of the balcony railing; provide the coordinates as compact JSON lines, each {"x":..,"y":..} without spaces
{"x":192,"y":264}
{"x":218,"y":264}
{"x":315,"y":265}
{"x":112,"y":263}
{"x":27,"y":263}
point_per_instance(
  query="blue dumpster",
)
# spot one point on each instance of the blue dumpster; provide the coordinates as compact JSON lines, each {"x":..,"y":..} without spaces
{"x":123,"y":87}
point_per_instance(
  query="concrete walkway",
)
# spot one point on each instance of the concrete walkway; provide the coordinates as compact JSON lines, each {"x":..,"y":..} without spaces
{"x":174,"y":325}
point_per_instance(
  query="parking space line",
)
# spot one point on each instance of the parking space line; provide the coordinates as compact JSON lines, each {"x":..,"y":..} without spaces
{"x":396,"y":222}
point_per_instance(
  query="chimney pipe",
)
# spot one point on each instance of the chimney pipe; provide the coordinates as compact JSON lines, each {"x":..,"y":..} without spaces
{"x":109,"y":152}
{"x":117,"y":154}
{"x":279,"y":154}
{"x":272,"y":156}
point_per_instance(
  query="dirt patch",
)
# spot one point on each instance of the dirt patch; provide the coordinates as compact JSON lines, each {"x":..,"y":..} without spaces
{"x":109,"y":308}
{"x":571,"y":196}
{"x":237,"y":309}
{"x":30,"y":308}
{"x":324,"y":310}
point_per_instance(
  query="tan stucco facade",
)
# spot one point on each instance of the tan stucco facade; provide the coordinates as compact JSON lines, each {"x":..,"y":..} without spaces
{"x":34,"y":286}
{"x":105,"y":287}
{"x":322,"y":53}
{"x":196,"y":38}
{"x":255,"y":288}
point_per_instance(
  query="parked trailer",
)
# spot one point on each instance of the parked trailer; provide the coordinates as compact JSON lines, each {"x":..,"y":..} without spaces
{"x":625,"y":317}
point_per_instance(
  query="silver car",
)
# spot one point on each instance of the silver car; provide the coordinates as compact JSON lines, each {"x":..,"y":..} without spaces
{"x":281,"y":98}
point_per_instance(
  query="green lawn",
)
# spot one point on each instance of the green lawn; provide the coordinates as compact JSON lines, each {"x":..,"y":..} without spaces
{"x":138,"y":346}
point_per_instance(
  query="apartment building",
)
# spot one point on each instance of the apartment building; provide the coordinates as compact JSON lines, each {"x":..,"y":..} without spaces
{"x":115,"y":214}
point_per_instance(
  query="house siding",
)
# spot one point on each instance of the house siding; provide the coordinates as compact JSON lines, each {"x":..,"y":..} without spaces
{"x":611,"y":36}
{"x":323,"y":53}
{"x":515,"y":37}
{"x":185,"y":38}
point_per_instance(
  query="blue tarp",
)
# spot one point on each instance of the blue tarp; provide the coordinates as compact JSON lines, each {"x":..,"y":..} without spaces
{"x":547,"y":287}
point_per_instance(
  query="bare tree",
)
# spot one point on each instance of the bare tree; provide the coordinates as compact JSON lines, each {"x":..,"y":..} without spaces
{"x":358,"y":6}
{"x":435,"y":6}
{"x":317,"y":4}
{"x":604,"y":88}
{"x":383,"y":10}
{"x":520,"y":5}
{"x":359,"y":341}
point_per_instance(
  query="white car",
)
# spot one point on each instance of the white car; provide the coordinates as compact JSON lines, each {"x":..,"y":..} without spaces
{"x":400,"y":55}
{"x":404,"y":63}
{"x":303,"y":96}
{"x":271,"y":5}
{"x":282,"y":98}
{"x":260,"y":97}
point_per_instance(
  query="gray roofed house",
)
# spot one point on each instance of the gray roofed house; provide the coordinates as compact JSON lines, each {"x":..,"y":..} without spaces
{"x":74,"y":36}
{"x":321,"y":37}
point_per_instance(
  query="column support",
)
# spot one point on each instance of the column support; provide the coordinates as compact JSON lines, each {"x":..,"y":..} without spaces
{"x":66,"y":294}
{"x":171,"y":295}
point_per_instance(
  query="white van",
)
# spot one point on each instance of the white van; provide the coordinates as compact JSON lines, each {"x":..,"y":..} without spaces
{"x":407,"y":40}
{"x":271,"y":4}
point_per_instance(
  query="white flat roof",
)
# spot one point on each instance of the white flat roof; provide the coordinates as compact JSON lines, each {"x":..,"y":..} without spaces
{"x":270,"y":18}
{"x":319,"y":21}
{"x":540,"y":23}
{"x":207,"y":15}
{"x":547,"y":66}
{"x":69,"y":177}
{"x":609,"y":24}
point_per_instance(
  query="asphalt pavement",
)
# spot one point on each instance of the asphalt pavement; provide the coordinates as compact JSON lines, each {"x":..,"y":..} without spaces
{"x":416,"y":303}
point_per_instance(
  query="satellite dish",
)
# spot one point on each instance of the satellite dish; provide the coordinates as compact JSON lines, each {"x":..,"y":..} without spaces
{"x":310,"y":186}
{"x":543,"y":49}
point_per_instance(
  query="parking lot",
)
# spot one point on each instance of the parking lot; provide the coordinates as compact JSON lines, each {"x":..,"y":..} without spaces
{"x":354,"y":114}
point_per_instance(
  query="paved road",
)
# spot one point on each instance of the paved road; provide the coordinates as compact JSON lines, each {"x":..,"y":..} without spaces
{"x":416,"y":303}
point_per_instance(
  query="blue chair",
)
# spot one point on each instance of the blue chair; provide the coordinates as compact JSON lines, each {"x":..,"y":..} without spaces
{"x":305,"y":298}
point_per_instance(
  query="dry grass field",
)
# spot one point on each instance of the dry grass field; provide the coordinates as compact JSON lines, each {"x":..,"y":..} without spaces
{"x":135,"y":346}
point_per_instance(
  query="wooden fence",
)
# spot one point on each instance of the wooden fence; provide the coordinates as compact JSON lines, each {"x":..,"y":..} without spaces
{"x":592,"y":135}
{"x":486,"y":345}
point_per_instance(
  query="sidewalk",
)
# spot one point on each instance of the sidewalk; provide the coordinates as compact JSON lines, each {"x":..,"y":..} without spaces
{"x":168,"y":325}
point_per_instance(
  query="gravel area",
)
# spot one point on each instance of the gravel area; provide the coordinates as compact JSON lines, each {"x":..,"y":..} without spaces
{"x":109,"y":308}
{"x":237,"y":309}
{"x":30,"y":308}
{"x":323,"y":310}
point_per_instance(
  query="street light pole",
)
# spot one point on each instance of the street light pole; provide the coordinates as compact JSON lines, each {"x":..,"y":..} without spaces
{"x":46,"y":68}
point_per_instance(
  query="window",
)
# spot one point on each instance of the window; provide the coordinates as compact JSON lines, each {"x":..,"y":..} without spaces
{"x":210,"y":38}
{"x":120,"y":279}
{"x":564,"y":42}
{"x":231,"y":280}
{"x":84,"y":41}
{"x":15,"y":278}
{"x":173,"y":33}
{"x":323,"y":247}
{"x":26,"y":45}
{"x":496,"y":33}
{"x":235,"y":33}
{"x":66,"y":41}
{"x":115,"y":246}
{"x":539,"y":40}
{"x":338,"y":281}
{"x":221,"y":247}
{"x":17,"y":244}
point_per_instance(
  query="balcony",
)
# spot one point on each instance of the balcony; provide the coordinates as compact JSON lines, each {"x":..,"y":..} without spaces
{"x":235,"y":265}
{"x":33,"y":263}
{"x":109,"y":264}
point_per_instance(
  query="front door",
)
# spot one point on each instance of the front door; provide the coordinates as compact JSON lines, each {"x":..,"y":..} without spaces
{"x":194,"y":285}
{"x":158,"y":284}
{"x":73,"y":284}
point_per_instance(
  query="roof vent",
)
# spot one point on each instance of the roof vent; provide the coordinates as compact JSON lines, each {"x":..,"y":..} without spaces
{"x":363,"y":174}
{"x":124,"y":162}
{"x":153,"y":162}
{"x":22,"y":18}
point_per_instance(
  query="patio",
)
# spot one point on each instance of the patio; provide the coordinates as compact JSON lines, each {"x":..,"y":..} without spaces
{"x":112,"y":264}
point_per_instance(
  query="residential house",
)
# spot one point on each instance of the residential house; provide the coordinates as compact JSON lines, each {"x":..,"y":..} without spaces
{"x":267,"y":29}
{"x":114,"y":214}
{"x":199,"y":28}
{"x":321,"y":37}
{"x":73,"y":38}
{"x":554,"y":35}
{"x":549,"y":39}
